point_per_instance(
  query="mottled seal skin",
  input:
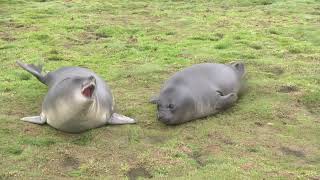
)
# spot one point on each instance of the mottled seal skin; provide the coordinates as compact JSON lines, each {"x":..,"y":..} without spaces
{"x":199,"y":91}
{"x":77,"y":100}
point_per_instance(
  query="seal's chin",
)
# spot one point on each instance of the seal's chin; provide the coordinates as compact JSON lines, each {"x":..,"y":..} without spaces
{"x":163,"y":118}
{"x":88,"y":90}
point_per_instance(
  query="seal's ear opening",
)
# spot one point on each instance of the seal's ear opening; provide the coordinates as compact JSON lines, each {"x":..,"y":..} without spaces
{"x":154,"y":100}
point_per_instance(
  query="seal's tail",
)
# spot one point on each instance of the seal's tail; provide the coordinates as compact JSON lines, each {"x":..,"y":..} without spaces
{"x":239,"y":67}
{"x":34,"y":70}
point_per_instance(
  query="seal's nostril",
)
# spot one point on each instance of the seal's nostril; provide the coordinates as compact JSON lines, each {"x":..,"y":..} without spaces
{"x":160,"y":116}
{"x":91,"y":78}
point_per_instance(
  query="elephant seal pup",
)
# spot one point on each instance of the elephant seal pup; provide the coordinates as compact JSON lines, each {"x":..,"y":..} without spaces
{"x":199,"y":91}
{"x":77,"y":100}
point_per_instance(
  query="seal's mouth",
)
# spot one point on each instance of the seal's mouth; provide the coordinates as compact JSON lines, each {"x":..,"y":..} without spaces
{"x":88,"y":90}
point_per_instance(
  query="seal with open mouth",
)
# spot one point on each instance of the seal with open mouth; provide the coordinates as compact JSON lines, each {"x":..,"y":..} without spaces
{"x":77,"y":100}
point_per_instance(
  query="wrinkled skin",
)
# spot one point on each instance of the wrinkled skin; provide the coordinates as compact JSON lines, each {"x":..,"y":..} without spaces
{"x":199,"y":91}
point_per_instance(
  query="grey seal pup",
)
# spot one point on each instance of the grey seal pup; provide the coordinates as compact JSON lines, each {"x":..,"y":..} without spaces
{"x":77,"y":100}
{"x":199,"y":91}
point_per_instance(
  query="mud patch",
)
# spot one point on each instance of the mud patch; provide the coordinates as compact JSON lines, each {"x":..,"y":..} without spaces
{"x":276,"y":71}
{"x":292,"y":152}
{"x":315,"y":177}
{"x":132,"y":40}
{"x":198,"y":158}
{"x":247,"y":166}
{"x":258,"y":124}
{"x":69,"y":163}
{"x":213,"y":149}
{"x":217,"y":136}
{"x":155,"y":139}
{"x":135,"y":173}
{"x":202,"y":159}
{"x":7,"y":37}
{"x":288,"y":89}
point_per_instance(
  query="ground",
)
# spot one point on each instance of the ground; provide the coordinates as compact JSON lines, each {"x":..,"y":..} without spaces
{"x":272,"y":132}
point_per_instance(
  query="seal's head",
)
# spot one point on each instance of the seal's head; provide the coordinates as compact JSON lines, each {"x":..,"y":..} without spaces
{"x":68,"y":105}
{"x":78,"y":90}
{"x":173,"y":106}
{"x":73,"y":96}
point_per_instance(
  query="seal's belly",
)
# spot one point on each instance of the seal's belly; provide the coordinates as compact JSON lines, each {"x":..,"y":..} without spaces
{"x":205,"y":101}
{"x":76,"y":123}
{"x":205,"y":107}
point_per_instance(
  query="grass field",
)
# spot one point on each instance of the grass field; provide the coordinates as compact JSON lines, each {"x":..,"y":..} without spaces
{"x":272,"y":132}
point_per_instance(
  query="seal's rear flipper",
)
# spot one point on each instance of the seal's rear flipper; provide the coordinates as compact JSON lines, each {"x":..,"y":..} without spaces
{"x":35,"y":119}
{"x":225,"y":101}
{"x":120,"y":119}
{"x":34,"y":70}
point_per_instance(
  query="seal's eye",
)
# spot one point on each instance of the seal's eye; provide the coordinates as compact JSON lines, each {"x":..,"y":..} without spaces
{"x":170,"y":106}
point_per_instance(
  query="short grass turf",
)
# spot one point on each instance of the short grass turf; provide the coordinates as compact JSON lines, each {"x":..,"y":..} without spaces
{"x":272,"y":132}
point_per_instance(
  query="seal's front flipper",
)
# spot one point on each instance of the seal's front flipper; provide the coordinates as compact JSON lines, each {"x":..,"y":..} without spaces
{"x":34,"y":70}
{"x":35,"y":119}
{"x":225,"y":101}
{"x":120,"y":119}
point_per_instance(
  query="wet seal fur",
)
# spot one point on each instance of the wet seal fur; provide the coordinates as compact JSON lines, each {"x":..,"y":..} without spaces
{"x":199,"y":91}
{"x":77,"y":100}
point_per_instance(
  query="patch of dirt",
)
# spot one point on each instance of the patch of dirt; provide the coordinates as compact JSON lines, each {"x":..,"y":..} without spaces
{"x":276,"y":71}
{"x":155,"y":139}
{"x":158,"y":38}
{"x":185,"y":55}
{"x":88,"y":36}
{"x":70,"y":163}
{"x":315,"y":177}
{"x":82,"y":39}
{"x":219,"y":137}
{"x":247,"y":166}
{"x":7,"y":37}
{"x":292,"y":152}
{"x":185,"y":149}
{"x":288,"y":89}
{"x":31,"y":129}
{"x":132,"y":40}
{"x":213,"y":149}
{"x":135,"y":173}
{"x":258,"y":124}
{"x":201,"y":159}
{"x":286,"y":112}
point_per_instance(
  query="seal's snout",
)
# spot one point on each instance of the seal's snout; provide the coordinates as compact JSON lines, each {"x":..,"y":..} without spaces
{"x":162,"y":118}
{"x":91,"y":78}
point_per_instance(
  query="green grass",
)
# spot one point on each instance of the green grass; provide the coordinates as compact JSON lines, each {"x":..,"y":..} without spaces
{"x":272,"y":132}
